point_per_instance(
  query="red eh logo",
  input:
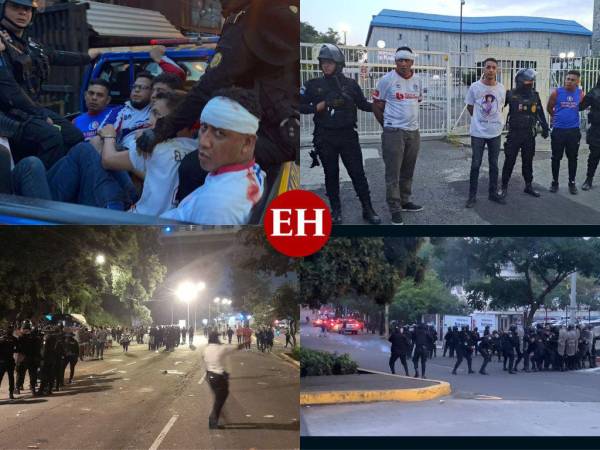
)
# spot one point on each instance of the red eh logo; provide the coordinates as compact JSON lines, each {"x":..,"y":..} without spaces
{"x":298,"y":223}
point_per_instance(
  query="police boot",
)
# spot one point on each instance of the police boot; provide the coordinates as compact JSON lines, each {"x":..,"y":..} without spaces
{"x":369,"y":213}
{"x":336,"y":211}
{"x":587,"y":185}
{"x":11,"y":395}
{"x":416,"y":374}
{"x":529,"y":190}
{"x":503,"y":192}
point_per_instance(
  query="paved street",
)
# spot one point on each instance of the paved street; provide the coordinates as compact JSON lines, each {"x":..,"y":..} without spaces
{"x":441,"y":184}
{"x":547,"y":403}
{"x":143,"y":400}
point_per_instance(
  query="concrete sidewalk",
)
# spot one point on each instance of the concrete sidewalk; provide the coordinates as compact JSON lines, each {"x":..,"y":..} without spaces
{"x":441,"y":185}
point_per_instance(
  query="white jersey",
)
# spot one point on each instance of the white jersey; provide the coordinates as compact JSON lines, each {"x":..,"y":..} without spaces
{"x":487,"y":101}
{"x":129,"y":121}
{"x":401,"y":97}
{"x":226,"y":198}
{"x":214,"y":355}
{"x":162,"y":179}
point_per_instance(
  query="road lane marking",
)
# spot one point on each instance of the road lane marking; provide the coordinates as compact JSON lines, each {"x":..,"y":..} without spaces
{"x":163,"y":433}
{"x":107,"y":371}
{"x":202,"y":379}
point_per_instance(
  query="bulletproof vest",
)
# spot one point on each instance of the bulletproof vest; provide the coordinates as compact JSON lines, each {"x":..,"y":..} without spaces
{"x":30,"y":65}
{"x":594,"y":114}
{"x":340,"y":111}
{"x":522,"y":109}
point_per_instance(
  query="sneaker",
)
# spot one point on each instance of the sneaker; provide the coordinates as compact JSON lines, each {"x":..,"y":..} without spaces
{"x":496,"y":198}
{"x":397,"y":219}
{"x":572,"y":188}
{"x":471,"y":202}
{"x":411,"y":207}
{"x":554,"y":187}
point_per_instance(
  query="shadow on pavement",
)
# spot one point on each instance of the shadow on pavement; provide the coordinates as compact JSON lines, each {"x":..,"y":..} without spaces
{"x":23,"y":401}
{"x":293,"y":426}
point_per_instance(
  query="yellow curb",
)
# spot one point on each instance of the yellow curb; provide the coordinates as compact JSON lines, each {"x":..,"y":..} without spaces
{"x":288,"y":359}
{"x":388,"y":395}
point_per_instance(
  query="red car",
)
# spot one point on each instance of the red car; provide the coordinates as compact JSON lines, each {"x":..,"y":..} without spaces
{"x":352,"y":326}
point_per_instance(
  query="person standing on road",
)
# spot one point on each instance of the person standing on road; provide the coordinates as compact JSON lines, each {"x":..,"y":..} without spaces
{"x":29,"y":346}
{"x":447,"y":338}
{"x":592,"y":101}
{"x":125,"y":340}
{"x":100,"y":342}
{"x":229,"y":334}
{"x":396,"y":107}
{"x":524,"y":113}
{"x":422,"y":341}
{"x":334,"y":99}
{"x":484,"y":101}
{"x":464,"y":349}
{"x":400,"y":347}
{"x":508,"y":350}
{"x":71,"y":355}
{"x":8,"y":347}
{"x":485,"y":349}
{"x":218,"y":378}
{"x":563,"y":106}
{"x":191,"y":335}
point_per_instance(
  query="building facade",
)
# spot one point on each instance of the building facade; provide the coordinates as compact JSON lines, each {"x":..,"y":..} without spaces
{"x":437,"y":33}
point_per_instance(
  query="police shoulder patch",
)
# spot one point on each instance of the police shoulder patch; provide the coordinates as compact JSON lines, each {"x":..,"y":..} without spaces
{"x":216,"y":60}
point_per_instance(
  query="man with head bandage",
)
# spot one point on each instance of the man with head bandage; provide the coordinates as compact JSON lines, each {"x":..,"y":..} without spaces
{"x":235,"y":183}
{"x":396,"y":107}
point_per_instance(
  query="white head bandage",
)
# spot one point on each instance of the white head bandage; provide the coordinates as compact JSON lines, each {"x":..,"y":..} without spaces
{"x":404,"y":54}
{"x":227,"y":114}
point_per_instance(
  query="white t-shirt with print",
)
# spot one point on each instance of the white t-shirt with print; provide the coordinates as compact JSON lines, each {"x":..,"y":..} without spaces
{"x":226,"y":197}
{"x":129,"y":121}
{"x":401,"y":97}
{"x":162,"y":179}
{"x":487,"y":101}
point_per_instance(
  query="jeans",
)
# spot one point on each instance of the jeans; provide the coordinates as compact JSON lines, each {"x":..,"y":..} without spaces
{"x":219,"y":383}
{"x":80,"y":178}
{"x":478,"y":146}
{"x":29,"y":179}
{"x":5,"y":171}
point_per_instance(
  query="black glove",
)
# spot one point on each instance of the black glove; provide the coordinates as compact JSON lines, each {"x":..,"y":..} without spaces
{"x":146,"y":141}
{"x":545,"y":133}
{"x":315,"y":159}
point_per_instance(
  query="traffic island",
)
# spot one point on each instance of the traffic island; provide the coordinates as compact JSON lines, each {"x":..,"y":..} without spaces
{"x":369,"y":386}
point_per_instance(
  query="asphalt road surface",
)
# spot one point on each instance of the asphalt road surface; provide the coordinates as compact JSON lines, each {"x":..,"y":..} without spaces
{"x":441,"y":185}
{"x":542,"y":404}
{"x":149,"y":400}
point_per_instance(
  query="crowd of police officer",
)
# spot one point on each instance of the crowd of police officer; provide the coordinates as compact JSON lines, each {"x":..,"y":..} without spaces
{"x":416,"y":343}
{"x":540,"y":348}
{"x":169,"y":337}
{"x":43,"y":354}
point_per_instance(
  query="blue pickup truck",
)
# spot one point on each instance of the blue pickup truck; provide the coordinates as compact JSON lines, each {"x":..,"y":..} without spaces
{"x":118,"y":69}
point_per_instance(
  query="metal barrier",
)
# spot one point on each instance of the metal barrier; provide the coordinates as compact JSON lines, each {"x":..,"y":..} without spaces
{"x":446,"y":78}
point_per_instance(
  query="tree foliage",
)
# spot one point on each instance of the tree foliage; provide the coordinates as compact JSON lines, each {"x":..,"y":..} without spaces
{"x":539,"y":266}
{"x":48,"y":269}
{"x":368,"y":267}
{"x":310,"y":34}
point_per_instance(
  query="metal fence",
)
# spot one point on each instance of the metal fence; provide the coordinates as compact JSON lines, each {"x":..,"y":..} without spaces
{"x":446,"y":78}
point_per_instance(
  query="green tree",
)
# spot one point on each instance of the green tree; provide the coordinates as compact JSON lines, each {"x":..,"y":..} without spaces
{"x":431,"y":296}
{"x":539,"y":265}
{"x":310,"y":34}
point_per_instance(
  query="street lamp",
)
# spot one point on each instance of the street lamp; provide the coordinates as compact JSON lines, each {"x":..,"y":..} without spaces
{"x":100,"y":259}
{"x":186,"y":292}
{"x":344,"y":29}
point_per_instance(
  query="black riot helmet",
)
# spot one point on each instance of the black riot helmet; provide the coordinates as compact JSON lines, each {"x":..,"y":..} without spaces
{"x":524,"y":75}
{"x":332,"y":53}
{"x":33,"y":4}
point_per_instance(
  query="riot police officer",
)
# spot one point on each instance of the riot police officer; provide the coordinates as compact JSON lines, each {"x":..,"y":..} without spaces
{"x":24,"y":67}
{"x":8,"y":346}
{"x":334,"y":99}
{"x":400,"y":348}
{"x":464,"y":349}
{"x":258,"y":49}
{"x":592,"y":100}
{"x":485,"y":349}
{"x":525,"y":111}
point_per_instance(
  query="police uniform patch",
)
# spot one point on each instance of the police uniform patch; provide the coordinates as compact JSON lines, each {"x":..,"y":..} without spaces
{"x":216,"y":60}
{"x":294,"y":9}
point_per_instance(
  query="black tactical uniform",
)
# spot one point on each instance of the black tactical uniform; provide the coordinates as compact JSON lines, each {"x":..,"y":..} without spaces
{"x":485,"y":349}
{"x":335,"y":133}
{"x":258,"y":49}
{"x":508,"y":351}
{"x":525,"y":111}
{"x":24,"y":67}
{"x":29,"y":345}
{"x":592,"y":100}
{"x":8,"y":346}
{"x":464,"y":349}
{"x":48,"y":367}
{"x":422,"y":340}
{"x":400,"y":348}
